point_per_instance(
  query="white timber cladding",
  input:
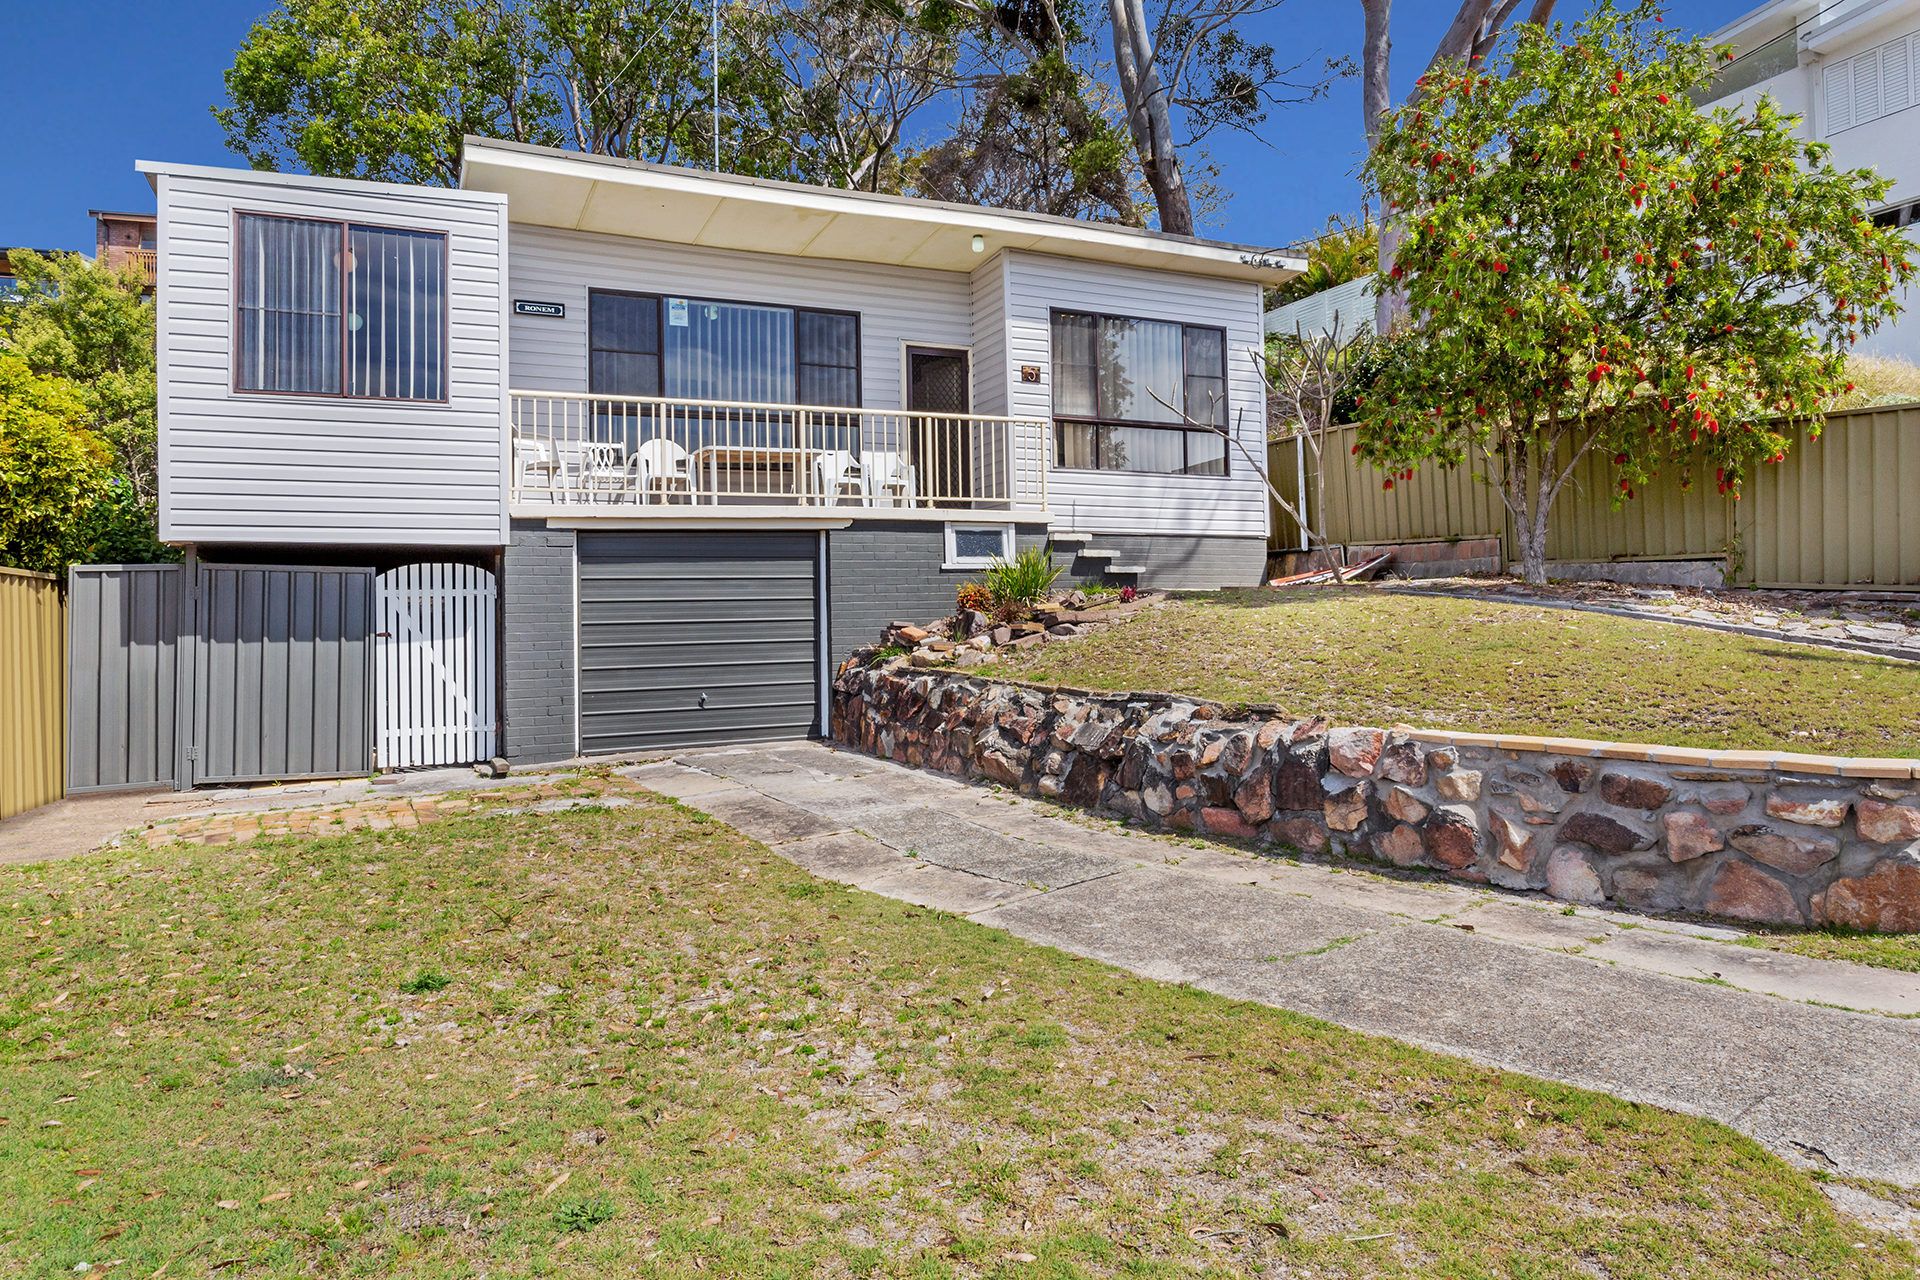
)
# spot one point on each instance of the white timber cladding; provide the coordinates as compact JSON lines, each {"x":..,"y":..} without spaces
{"x":895,"y":304}
{"x":1234,"y":505}
{"x":248,"y":467}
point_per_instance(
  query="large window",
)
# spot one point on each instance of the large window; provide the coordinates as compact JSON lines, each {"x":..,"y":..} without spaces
{"x":642,"y":344}
{"x":333,"y":308}
{"x":1125,"y":393}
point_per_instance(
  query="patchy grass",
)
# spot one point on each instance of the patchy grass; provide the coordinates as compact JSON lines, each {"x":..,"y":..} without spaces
{"x":662,"y":1050}
{"x":1881,"y":950}
{"x":1369,"y":657}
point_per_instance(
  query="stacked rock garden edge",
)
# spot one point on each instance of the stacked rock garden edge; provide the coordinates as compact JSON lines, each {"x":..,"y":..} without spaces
{"x":1759,"y":844}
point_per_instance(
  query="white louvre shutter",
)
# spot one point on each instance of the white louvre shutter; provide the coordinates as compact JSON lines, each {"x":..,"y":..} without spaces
{"x":1866,"y":87}
{"x":1839,"y":96}
{"x":1896,"y":76}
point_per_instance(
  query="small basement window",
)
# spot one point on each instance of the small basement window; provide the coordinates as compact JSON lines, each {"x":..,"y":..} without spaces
{"x":972,"y":546}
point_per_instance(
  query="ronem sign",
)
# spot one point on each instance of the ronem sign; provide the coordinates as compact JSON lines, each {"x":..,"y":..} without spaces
{"x":551,"y":310}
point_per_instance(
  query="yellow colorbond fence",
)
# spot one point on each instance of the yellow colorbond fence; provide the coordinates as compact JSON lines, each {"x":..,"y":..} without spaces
{"x":1843,"y":511}
{"x":33,"y":697}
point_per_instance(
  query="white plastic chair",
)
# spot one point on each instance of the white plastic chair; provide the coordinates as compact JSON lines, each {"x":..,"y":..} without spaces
{"x":536,"y":467}
{"x":837,"y":472}
{"x":663,"y":467}
{"x":603,"y":468}
{"x":894,"y":481}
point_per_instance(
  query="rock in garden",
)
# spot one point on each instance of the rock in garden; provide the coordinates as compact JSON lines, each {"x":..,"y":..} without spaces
{"x":1461,"y":784}
{"x":1795,"y":854}
{"x":1608,"y":835}
{"x":1300,"y":832}
{"x":1691,"y":836}
{"x":1404,"y":761}
{"x":1886,"y":898}
{"x":1453,"y":836}
{"x":1297,"y":787}
{"x":1885,"y":823}
{"x":1743,"y":892}
{"x":1401,"y":846}
{"x":1222,"y":821}
{"x":1404,"y":805}
{"x":1517,"y":844}
{"x":1354,"y":752}
{"x":1574,"y":776}
{"x":1645,"y":889}
{"x":1823,"y":812}
{"x":1631,"y":792}
{"x":1346,"y":808}
{"x":1571,"y":878}
{"x":1254,"y":796}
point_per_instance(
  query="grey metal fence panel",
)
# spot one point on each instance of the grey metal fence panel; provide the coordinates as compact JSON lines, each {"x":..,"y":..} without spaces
{"x":122,"y":655}
{"x":282,"y":662}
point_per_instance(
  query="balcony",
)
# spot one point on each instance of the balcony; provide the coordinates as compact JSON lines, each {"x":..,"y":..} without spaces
{"x":638,"y":457}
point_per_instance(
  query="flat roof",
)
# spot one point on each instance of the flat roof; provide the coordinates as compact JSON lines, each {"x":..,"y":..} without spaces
{"x":546,"y":186}
{"x":115,"y":213}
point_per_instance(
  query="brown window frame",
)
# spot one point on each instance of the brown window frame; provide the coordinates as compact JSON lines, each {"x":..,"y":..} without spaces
{"x":1102,"y":422}
{"x":346,"y":226}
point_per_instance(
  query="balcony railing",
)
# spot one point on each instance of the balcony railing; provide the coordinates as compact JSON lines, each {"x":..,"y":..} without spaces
{"x":641,"y":454}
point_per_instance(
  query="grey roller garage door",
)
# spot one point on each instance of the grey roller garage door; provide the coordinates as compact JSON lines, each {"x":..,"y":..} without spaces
{"x":692,"y":638}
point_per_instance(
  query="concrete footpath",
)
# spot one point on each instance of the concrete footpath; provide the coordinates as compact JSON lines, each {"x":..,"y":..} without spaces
{"x":1664,"y":1012}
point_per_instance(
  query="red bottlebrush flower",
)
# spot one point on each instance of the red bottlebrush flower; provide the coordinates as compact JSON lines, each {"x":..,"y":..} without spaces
{"x":1500,"y":267}
{"x":1639,"y":259}
{"x":1356,"y":451}
{"x":1661,"y":98}
{"x":1849,"y":386}
{"x":1625,"y":485}
{"x":1387,"y":483}
{"x":1479,"y":411}
{"x":1619,"y":459}
{"x":1689,"y":374}
{"x":1618,"y":77}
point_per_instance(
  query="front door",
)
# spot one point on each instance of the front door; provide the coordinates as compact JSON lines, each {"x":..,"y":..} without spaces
{"x":940,"y":448}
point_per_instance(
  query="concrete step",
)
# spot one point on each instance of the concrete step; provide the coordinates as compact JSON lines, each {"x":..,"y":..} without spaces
{"x":1097,"y":553}
{"x":1061,"y":539}
{"x":1131,"y":570}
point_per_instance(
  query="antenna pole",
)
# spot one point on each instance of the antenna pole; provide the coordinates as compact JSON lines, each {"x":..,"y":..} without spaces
{"x":716,"y":85}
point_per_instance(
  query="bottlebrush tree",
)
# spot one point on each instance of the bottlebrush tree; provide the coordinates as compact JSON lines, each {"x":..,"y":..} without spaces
{"x":1593,"y":264}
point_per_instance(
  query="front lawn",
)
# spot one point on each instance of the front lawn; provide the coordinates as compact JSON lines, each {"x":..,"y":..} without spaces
{"x":629,"y":1041}
{"x":1371,"y":657}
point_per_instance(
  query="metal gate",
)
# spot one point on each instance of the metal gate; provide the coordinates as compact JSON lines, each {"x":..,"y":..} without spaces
{"x":280,"y":673}
{"x":217,"y":673}
{"x":434,"y":665}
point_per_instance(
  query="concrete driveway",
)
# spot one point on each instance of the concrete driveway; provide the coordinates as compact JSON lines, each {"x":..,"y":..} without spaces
{"x":1663,"y":1012}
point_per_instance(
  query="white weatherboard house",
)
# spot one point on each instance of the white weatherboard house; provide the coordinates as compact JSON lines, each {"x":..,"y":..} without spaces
{"x":1850,"y":69}
{"x":709,"y":433}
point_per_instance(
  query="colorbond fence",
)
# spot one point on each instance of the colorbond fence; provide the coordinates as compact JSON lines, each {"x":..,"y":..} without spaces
{"x":1843,"y":511}
{"x":33,"y":700}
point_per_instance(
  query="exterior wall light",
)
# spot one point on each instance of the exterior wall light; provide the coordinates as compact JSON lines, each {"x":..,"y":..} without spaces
{"x":979,"y":244}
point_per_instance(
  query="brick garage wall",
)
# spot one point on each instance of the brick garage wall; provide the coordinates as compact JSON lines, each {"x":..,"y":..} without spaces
{"x":537,"y":652}
{"x":1184,"y":563}
{"x":1776,"y":840}
{"x":880,"y":571}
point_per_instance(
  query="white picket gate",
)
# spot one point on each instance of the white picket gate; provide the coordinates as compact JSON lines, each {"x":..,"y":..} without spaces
{"x":434,"y":665}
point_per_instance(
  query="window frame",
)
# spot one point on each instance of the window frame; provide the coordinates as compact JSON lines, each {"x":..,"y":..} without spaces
{"x":952,"y":559}
{"x":793,"y":311}
{"x":345,"y":392}
{"x":1098,"y":423}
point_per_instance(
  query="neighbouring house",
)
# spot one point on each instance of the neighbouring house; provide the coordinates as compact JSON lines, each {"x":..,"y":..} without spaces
{"x":1345,"y":308}
{"x":126,"y":239}
{"x":705,"y":433}
{"x":9,"y":282}
{"x":1850,"y":69}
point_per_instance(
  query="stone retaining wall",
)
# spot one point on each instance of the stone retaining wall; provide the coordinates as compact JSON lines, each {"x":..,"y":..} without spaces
{"x":1750,"y":836}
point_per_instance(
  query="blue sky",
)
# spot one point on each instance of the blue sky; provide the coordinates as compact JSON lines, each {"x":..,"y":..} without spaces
{"x":90,"y":87}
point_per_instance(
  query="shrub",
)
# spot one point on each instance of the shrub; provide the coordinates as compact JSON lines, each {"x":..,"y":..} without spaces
{"x":975,"y":596}
{"x":1016,"y":585}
